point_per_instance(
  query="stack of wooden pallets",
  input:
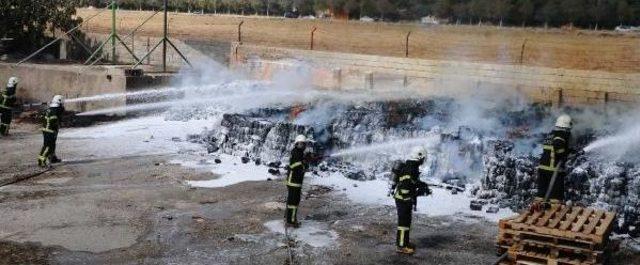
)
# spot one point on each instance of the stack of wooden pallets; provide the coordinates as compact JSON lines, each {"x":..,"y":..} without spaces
{"x":560,"y":235}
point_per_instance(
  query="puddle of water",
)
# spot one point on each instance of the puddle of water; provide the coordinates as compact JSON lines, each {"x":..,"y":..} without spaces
{"x":314,"y":234}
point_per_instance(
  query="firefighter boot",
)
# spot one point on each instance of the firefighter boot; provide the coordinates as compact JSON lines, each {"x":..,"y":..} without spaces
{"x":293,"y":225}
{"x":55,"y":160}
{"x":42,"y":162}
{"x":408,"y":250}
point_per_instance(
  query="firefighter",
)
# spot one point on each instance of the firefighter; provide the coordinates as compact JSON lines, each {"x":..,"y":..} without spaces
{"x":50,"y":131}
{"x":555,"y":150}
{"x":7,"y":101}
{"x":407,"y":182}
{"x":297,"y":167}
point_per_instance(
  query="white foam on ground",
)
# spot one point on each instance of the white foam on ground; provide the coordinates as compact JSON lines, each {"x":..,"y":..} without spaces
{"x":140,"y":136}
{"x":440,"y":203}
{"x":314,"y":234}
{"x":231,"y":171}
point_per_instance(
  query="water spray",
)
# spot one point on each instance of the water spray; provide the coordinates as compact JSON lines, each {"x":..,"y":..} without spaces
{"x":231,"y":101}
{"x":617,"y":144}
{"x":428,"y":141}
{"x":142,"y":94}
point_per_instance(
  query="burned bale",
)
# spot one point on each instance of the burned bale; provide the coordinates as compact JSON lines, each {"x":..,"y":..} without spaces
{"x":503,"y":159}
{"x":356,"y":175}
{"x":217,"y":161}
{"x":493,"y":209}
{"x":258,"y":137}
{"x":194,"y":138}
{"x":212,"y":149}
{"x":475,"y":206}
{"x":274,"y":171}
{"x":245,"y":160}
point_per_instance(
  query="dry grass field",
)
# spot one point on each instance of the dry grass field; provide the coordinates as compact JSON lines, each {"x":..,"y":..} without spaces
{"x":574,"y":49}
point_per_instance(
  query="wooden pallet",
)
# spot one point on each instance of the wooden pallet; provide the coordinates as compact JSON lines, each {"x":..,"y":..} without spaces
{"x":560,"y":235}
{"x":575,"y":224}
{"x":545,"y":255}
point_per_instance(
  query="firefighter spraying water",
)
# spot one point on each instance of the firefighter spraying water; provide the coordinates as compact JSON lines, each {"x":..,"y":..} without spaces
{"x":51,"y":126}
{"x":7,"y":102}
{"x":406,"y":187}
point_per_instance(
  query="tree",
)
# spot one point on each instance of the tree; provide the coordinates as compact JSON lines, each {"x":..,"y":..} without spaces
{"x":367,"y":8}
{"x":384,"y":7}
{"x":573,"y":10}
{"x":525,"y":11}
{"x":478,"y":9}
{"x":443,"y":8}
{"x":598,"y":11}
{"x":461,"y":11}
{"x":624,"y":11}
{"x":27,"y":22}
{"x":501,"y":10}
{"x":351,"y":6}
{"x":549,"y":13}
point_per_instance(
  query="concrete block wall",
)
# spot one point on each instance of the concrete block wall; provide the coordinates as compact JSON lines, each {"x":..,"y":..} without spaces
{"x":40,"y":82}
{"x":356,"y":71}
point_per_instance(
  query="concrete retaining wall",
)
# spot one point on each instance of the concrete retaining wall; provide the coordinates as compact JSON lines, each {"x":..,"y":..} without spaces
{"x":39,"y":82}
{"x":354,"y":71}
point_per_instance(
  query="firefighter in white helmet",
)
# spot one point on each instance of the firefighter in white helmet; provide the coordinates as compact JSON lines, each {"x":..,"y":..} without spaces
{"x":407,"y":187}
{"x":51,"y":125}
{"x":298,"y":164}
{"x":7,"y":102}
{"x":555,"y":150}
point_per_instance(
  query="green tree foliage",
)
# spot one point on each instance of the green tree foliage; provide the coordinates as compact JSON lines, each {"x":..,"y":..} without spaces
{"x":28,"y":22}
{"x":580,"y":13}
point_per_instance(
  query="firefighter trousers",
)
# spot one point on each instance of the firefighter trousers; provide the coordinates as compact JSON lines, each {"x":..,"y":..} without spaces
{"x":544,"y":181}
{"x":5,"y":120}
{"x":48,"y":150}
{"x":404,"y":209}
{"x":293,"y":200}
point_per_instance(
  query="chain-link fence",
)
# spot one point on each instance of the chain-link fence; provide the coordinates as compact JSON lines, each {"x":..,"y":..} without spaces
{"x":588,"y":50}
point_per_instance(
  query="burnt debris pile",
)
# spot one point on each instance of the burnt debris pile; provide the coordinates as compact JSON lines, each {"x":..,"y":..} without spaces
{"x":509,"y":179}
{"x":495,"y":154}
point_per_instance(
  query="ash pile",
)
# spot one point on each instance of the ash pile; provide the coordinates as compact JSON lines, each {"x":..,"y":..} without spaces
{"x":493,"y":154}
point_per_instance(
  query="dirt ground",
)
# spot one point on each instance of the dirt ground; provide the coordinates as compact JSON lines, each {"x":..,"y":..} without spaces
{"x":138,"y":210}
{"x":574,"y":49}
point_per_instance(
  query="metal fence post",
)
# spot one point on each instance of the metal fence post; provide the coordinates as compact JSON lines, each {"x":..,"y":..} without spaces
{"x":313,"y":31}
{"x":240,"y":31}
{"x":406,"y":47}
{"x":524,"y":43}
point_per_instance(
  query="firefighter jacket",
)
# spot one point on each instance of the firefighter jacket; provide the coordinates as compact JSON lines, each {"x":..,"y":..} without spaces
{"x":51,"y":120}
{"x":554,"y":149}
{"x":297,"y":167}
{"x":407,"y":181}
{"x":8,"y":98}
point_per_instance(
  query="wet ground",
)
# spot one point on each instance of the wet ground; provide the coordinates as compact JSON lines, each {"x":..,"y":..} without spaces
{"x":138,"y":210}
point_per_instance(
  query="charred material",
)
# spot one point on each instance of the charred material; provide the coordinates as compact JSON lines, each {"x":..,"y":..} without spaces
{"x":498,"y":165}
